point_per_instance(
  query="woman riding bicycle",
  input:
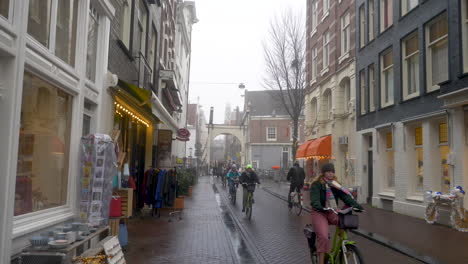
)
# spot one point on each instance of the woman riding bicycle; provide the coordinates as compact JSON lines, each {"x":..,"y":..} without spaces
{"x":324,"y":193}
{"x":231,"y":176}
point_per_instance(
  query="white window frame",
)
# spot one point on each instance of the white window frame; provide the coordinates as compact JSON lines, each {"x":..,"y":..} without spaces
{"x":125,"y":23}
{"x":99,"y":23}
{"x":362,"y":26}
{"x":384,"y":132}
{"x":416,"y":147}
{"x":363,"y":94}
{"x":464,"y":21}
{"x":346,"y":87}
{"x":326,"y":9}
{"x":10,"y":12}
{"x":371,"y":22}
{"x":440,"y":41}
{"x":268,"y":134}
{"x":405,"y":8}
{"x":406,"y":61}
{"x":382,"y":15}
{"x":345,"y":34}
{"x":314,"y":109}
{"x":328,"y":101}
{"x":384,"y":71}
{"x":314,"y":16}
{"x":371,"y":71}
{"x":314,"y":64}
{"x":326,"y":52}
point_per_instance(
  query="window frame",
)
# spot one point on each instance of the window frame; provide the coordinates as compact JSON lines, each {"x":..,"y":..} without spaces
{"x":126,"y":23}
{"x":314,"y":109}
{"x":345,"y":34}
{"x":10,"y":12}
{"x":314,"y":64}
{"x":314,"y":16}
{"x":363,"y":93}
{"x":406,"y":61}
{"x":384,"y":133}
{"x":362,"y":26}
{"x":371,"y":19}
{"x":325,"y":8}
{"x":383,"y":88}
{"x":382,"y":14}
{"x":404,"y":8}
{"x":417,"y":147}
{"x":328,"y":100}
{"x":371,"y":72}
{"x":268,"y":134}
{"x":444,"y":40}
{"x":98,"y":40}
{"x":326,"y":56}
{"x":464,"y":27}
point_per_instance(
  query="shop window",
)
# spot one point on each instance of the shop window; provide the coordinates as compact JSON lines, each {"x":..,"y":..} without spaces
{"x":419,"y":152}
{"x":271,"y":134}
{"x":371,"y":88}
{"x":371,"y":7}
{"x":43,"y":151}
{"x":88,"y":116}
{"x":362,"y":26}
{"x":65,"y":42}
{"x":386,"y":14}
{"x":125,"y":22}
{"x":362,"y":84}
{"x":39,"y":20}
{"x":410,"y":61}
{"x":91,"y":53}
{"x":390,"y":160}
{"x":464,"y":16}
{"x":444,"y":154}
{"x":437,"y":52}
{"x":408,"y":5}
{"x":4,"y":8}
{"x":386,"y":76}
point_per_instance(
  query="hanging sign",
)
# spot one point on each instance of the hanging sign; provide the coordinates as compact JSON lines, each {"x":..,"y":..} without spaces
{"x":183,"y":134}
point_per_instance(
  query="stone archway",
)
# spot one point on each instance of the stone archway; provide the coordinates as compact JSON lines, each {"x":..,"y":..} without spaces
{"x":240,"y":132}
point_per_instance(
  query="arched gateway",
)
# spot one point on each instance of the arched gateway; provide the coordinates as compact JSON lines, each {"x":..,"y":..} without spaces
{"x":239,"y":131}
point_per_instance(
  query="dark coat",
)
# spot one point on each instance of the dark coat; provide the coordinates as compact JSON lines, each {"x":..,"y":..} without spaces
{"x":296,"y":176}
{"x":318,"y":196}
{"x":249,"y":177}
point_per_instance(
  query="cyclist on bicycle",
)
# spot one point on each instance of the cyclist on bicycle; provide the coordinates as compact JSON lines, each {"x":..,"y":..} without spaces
{"x":296,"y":176}
{"x":324,"y":193}
{"x":231,"y":176}
{"x":248,"y":177}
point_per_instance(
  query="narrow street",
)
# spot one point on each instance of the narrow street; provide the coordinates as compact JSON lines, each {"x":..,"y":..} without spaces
{"x":213,"y":231}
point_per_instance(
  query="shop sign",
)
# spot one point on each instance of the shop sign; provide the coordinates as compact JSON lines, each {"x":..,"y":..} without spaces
{"x":183,"y":134}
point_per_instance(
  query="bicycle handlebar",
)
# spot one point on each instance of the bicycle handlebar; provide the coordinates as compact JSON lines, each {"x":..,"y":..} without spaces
{"x":344,"y":211}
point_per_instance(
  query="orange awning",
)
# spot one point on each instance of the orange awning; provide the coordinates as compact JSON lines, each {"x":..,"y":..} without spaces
{"x":301,"y":151}
{"x":320,"y":147}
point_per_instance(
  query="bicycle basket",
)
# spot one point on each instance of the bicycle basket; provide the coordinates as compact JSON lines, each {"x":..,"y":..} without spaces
{"x":251,"y":187}
{"x":348,"y":221}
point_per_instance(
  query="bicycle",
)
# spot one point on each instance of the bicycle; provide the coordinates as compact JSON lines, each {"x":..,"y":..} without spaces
{"x":250,"y":200}
{"x":343,"y":250}
{"x":223,"y":181}
{"x":296,"y":202}
{"x":233,"y":190}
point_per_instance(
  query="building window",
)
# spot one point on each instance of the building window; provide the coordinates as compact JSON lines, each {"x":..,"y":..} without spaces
{"x":390,"y":160}
{"x":142,"y":26}
{"x":362,"y":85}
{"x":39,"y":20}
{"x":386,"y":14}
{"x":91,"y":53}
{"x":419,"y":152}
{"x":43,"y":151}
{"x":386,"y":77}
{"x":4,"y":8}
{"x":410,"y":49}
{"x":371,"y":7}
{"x":371,"y":88}
{"x":271,"y":134}
{"x":345,"y":34}
{"x":327,"y":104}
{"x":465,"y":34}
{"x":437,"y":52}
{"x":444,"y":153}
{"x":65,"y":42}
{"x":326,"y":7}
{"x":314,"y":7}
{"x":125,"y":22}
{"x":362,"y":26}
{"x":408,"y":5}
{"x":326,"y":50}
{"x":313,"y":110}
{"x":152,"y":52}
{"x":346,"y":92}
{"x":314,"y":64}
{"x":88,"y":114}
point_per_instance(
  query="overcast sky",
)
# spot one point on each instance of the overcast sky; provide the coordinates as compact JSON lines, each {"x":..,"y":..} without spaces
{"x":227,"y":49}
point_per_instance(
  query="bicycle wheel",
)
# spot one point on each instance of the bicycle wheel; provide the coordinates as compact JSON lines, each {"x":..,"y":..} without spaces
{"x":233,"y":197}
{"x":297,"y":204}
{"x":314,"y":257}
{"x":352,"y":256}
{"x":248,"y":209}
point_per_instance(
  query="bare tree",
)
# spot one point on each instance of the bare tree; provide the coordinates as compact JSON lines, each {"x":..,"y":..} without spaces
{"x":285,"y":60}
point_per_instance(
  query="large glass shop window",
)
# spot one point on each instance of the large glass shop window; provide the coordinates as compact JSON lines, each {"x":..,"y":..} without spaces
{"x":44,"y":140}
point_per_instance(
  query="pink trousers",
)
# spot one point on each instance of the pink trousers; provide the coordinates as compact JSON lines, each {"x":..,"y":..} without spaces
{"x":320,"y":223}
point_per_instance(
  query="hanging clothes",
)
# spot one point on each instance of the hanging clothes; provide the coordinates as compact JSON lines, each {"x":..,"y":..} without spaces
{"x":158,"y":198}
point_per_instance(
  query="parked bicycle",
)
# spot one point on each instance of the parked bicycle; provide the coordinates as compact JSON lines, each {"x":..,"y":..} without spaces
{"x":343,"y":250}
{"x":233,"y":190}
{"x":296,"y":203}
{"x":250,"y":200}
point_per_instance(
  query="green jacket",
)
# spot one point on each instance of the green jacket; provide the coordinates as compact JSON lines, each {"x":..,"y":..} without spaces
{"x":318,"y":196}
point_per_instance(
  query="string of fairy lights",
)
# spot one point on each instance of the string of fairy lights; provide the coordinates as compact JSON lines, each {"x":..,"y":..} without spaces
{"x":122,"y":110}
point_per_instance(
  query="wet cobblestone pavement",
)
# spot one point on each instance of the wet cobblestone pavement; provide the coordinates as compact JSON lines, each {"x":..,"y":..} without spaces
{"x":213,"y":231}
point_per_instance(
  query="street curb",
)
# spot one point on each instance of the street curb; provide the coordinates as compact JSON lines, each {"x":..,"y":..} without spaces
{"x":255,"y":251}
{"x":375,"y":237}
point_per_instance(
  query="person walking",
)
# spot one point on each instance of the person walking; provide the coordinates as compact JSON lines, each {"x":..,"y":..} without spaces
{"x":296,"y":176}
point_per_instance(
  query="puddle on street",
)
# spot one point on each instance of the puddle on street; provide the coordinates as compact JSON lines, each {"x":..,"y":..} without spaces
{"x":242,"y":252}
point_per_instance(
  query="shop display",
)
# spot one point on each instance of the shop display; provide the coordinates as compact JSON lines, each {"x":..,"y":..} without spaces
{"x":99,"y":166}
{"x":454,"y":199}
